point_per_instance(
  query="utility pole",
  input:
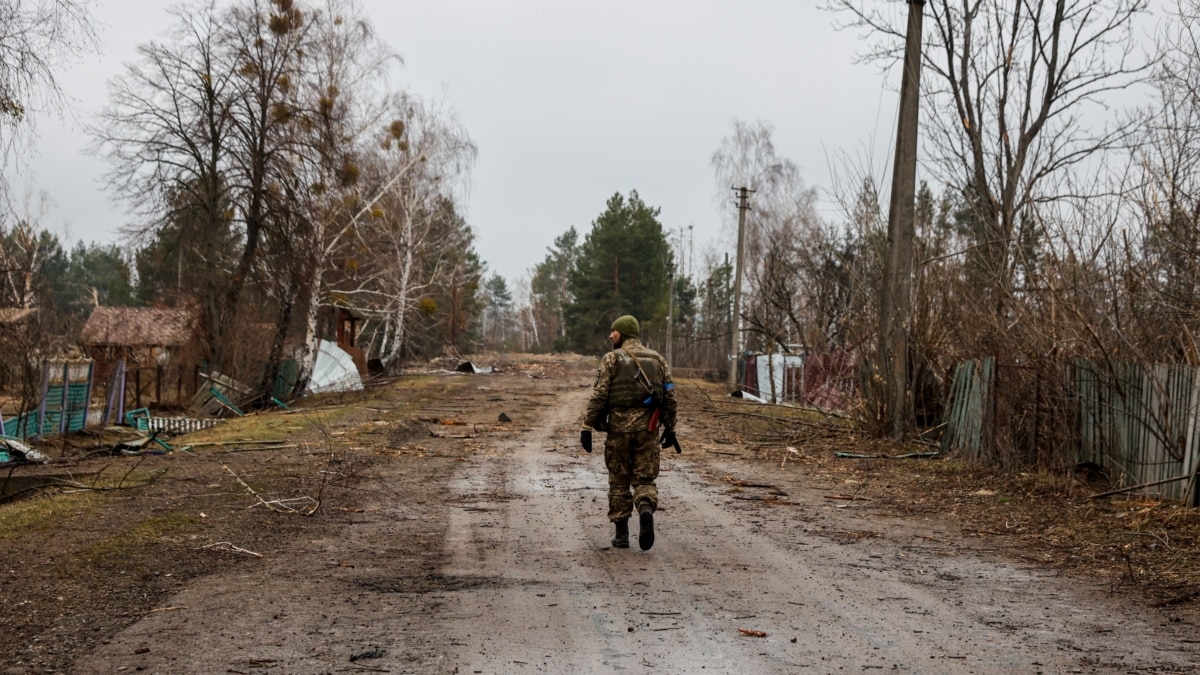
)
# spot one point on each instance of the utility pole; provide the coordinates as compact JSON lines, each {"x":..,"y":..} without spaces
{"x":735,"y":323}
{"x":896,"y":307}
{"x":671,"y":314}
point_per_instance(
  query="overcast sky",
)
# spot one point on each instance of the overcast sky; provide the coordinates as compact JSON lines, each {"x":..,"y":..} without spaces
{"x":568,"y":103}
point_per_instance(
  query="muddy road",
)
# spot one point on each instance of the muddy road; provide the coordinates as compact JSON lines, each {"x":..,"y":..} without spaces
{"x":548,"y":594}
{"x":491,"y":555}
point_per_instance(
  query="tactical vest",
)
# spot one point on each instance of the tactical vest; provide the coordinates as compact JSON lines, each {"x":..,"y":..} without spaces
{"x":624,"y":391}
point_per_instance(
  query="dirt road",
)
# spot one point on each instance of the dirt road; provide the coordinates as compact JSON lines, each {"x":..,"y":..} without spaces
{"x":504,"y":566}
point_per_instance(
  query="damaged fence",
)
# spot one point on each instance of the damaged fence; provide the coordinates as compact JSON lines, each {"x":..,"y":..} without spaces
{"x":180,"y":425}
{"x":142,"y":420}
{"x":1140,"y":424}
{"x":967,"y":411}
{"x":827,"y":381}
{"x":63,"y":407}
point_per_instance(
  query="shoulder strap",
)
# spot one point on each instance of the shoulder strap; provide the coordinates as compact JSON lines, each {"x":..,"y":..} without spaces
{"x":645,"y":378}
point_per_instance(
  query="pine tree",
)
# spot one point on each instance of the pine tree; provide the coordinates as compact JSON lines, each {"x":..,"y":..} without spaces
{"x":622,"y":268}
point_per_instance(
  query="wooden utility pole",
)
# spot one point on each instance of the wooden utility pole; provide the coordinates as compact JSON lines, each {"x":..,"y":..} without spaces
{"x":670,"y":314}
{"x":896,"y":307}
{"x":735,"y":322}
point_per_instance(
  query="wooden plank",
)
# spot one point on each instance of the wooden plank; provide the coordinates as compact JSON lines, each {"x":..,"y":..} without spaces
{"x":1191,"y":458}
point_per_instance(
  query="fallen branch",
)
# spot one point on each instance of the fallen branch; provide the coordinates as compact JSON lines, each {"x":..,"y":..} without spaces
{"x":278,"y":505}
{"x":436,"y":434}
{"x":258,"y":442}
{"x":236,"y":549}
{"x":70,"y":486}
{"x":285,"y":446}
{"x":1131,"y":488}
{"x":770,"y":418}
{"x":283,"y":504}
{"x":910,"y":455}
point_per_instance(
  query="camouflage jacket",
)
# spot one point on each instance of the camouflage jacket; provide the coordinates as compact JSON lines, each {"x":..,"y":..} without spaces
{"x":631,"y":418}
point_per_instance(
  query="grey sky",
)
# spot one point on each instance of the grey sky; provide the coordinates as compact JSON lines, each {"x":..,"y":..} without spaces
{"x":568,"y":102}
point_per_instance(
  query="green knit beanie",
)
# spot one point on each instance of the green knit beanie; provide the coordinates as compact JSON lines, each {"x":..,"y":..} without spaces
{"x":627,"y":326}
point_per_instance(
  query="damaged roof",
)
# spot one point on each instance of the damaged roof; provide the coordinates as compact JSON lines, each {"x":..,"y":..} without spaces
{"x":138,"y":327}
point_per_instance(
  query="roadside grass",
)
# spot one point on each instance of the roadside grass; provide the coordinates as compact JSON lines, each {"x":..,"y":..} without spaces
{"x":133,"y":541}
{"x":311,"y":419}
{"x":45,"y":514}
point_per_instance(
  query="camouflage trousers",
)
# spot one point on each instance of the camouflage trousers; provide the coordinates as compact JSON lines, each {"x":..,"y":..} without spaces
{"x":632,"y":461}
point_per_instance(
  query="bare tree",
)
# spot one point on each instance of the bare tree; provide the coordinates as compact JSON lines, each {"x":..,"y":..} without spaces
{"x":1164,"y":254}
{"x":201,"y":132}
{"x":421,"y":171}
{"x":264,"y":137}
{"x":264,"y":44}
{"x":167,"y":132}
{"x":781,"y":206}
{"x":345,"y":99}
{"x":37,"y":38}
{"x":1018,"y":98}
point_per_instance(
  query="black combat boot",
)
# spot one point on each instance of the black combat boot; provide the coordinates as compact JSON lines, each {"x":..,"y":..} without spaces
{"x":646,"y":522}
{"x":621,"y":540}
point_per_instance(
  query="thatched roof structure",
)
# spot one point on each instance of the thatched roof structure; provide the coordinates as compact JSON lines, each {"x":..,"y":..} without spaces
{"x":138,"y":327}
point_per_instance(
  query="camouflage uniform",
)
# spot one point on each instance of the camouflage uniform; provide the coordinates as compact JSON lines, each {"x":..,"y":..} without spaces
{"x":631,"y":450}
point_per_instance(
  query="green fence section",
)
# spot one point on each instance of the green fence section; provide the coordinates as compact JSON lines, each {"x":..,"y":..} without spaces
{"x":67,"y":389}
{"x":25,"y":426}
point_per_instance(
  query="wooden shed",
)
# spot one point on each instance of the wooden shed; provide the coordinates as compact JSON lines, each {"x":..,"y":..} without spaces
{"x":147,"y":338}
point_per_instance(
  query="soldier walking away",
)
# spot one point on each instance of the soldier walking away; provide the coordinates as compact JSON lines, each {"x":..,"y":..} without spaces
{"x":632,"y":397}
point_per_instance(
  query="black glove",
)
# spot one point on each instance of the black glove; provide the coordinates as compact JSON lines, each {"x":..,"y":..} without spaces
{"x":668,"y":439}
{"x":585,"y":439}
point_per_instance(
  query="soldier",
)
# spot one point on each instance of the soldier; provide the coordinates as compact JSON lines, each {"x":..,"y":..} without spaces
{"x":632,"y":396}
